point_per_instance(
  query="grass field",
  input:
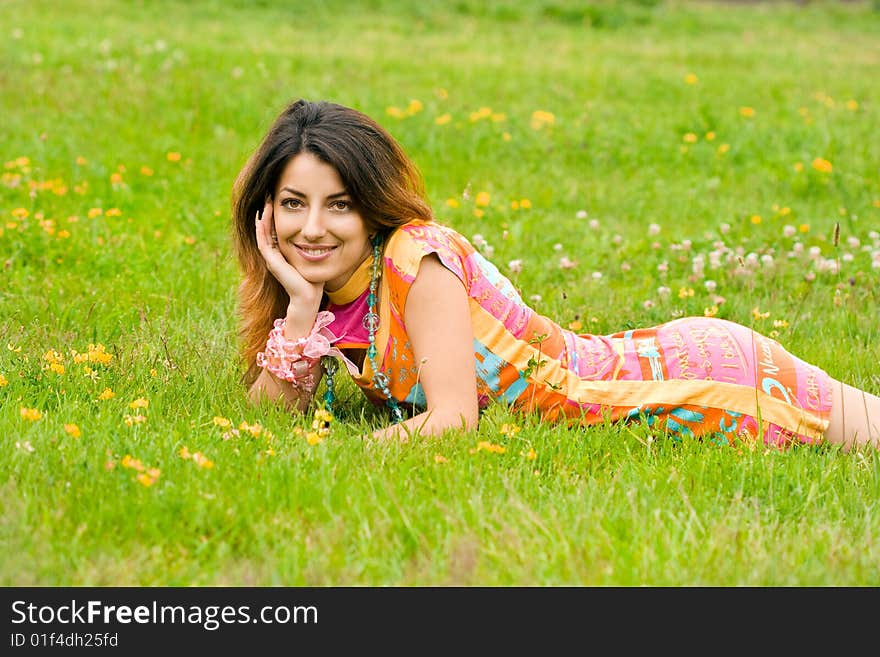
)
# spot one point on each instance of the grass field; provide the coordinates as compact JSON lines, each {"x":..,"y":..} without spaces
{"x":623,"y":163}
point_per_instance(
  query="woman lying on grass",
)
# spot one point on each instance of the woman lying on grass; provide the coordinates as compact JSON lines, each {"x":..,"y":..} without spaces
{"x":343,"y":262}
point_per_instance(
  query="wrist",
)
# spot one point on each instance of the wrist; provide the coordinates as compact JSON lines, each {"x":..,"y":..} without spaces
{"x":296,"y":359}
{"x":300,"y":317}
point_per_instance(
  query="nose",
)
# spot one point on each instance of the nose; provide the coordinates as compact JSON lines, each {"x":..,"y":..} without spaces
{"x":314,"y":228}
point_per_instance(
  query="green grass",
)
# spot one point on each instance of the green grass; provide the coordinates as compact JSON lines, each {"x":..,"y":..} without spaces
{"x":89,"y":89}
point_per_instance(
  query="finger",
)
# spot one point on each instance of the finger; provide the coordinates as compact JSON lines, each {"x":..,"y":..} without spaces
{"x":264,"y":228}
{"x":262,"y":239}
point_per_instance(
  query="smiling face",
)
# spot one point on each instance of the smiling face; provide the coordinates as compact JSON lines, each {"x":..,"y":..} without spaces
{"x":320,"y":231}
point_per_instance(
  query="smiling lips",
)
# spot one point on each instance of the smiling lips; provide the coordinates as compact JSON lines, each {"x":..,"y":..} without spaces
{"x":315,"y":253}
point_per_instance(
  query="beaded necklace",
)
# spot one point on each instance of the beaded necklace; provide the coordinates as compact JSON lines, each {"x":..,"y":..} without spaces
{"x":371,"y":323}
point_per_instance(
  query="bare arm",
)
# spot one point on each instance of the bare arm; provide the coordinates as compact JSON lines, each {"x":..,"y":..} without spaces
{"x":305,"y":301}
{"x":439,"y":326}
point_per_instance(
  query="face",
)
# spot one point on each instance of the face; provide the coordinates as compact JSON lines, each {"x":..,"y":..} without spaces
{"x":320,"y":232}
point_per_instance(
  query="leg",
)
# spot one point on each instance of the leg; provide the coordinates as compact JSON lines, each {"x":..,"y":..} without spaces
{"x":855,"y":417}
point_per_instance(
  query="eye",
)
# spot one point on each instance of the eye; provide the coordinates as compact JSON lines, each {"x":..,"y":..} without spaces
{"x":341,"y":205}
{"x":291,"y":203}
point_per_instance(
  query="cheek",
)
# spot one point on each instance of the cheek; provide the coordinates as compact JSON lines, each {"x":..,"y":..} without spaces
{"x":284,"y":225}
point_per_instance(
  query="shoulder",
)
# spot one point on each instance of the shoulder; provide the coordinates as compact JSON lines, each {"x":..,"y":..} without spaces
{"x":409,"y":243}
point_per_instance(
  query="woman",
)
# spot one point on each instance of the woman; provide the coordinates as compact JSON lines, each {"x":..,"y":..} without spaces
{"x":342,"y":261}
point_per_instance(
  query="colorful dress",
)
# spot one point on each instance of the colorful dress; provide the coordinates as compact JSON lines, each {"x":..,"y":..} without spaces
{"x":695,"y":376}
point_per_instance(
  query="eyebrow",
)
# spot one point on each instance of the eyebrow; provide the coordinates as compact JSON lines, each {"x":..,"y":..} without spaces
{"x":299,"y":193}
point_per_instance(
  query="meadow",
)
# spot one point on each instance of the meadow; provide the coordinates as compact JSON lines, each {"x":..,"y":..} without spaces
{"x":624,"y":163}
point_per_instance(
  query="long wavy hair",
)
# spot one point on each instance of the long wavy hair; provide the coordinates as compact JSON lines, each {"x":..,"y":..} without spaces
{"x":384,"y":184}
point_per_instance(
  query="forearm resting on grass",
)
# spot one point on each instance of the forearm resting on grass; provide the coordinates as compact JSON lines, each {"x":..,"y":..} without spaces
{"x":295,"y":397}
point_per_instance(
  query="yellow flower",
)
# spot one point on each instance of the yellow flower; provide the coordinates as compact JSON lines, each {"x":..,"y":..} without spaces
{"x":221,"y":421}
{"x":202,"y":461}
{"x":723,"y":148}
{"x":80,"y":160}
{"x":690,"y":138}
{"x":820,"y":164}
{"x":53,"y":356}
{"x":489,"y":447}
{"x":73,"y":430}
{"x":95,"y":212}
{"x":710,"y":136}
{"x":115,"y":178}
{"x":532,"y":455}
{"x":757,"y":314}
{"x":133,"y":419}
{"x":482,"y":199}
{"x":804,"y":228}
{"x":173,"y":156}
{"x":58,"y":368}
{"x":113,"y":212}
{"x":253,"y":429}
{"x":149,"y":478}
{"x":780,"y":323}
{"x":184,"y":453}
{"x":852,"y":105}
{"x":30,"y":414}
{"x":452,"y":202}
{"x":798,"y":166}
{"x":710,"y":312}
{"x":3,"y":381}
{"x":478,"y":213}
{"x":481,"y":113}
{"x":509,"y":430}
{"x":540,"y":118}
{"x":323,"y":415}
{"x":414,"y":107}
{"x":98,"y":355}
{"x":312,"y":438}
{"x":685,"y":292}
{"x":395,"y":112}
{"x":146,"y":171}
{"x":106,"y":394}
{"x":140,"y":402}
{"x":747,"y":112}
{"x":755,"y":219}
{"x":575,"y":325}
{"x":439,"y":458}
{"x":443,"y":119}
{"x":690,"y":78}
{"x":130,"y":462}
{"x":20,"y":213}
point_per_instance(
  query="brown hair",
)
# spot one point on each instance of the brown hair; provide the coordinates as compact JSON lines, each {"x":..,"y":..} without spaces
{"x":382,"y":181}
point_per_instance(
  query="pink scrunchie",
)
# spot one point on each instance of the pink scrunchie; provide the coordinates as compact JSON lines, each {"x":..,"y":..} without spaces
{"x":282,"y":354}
